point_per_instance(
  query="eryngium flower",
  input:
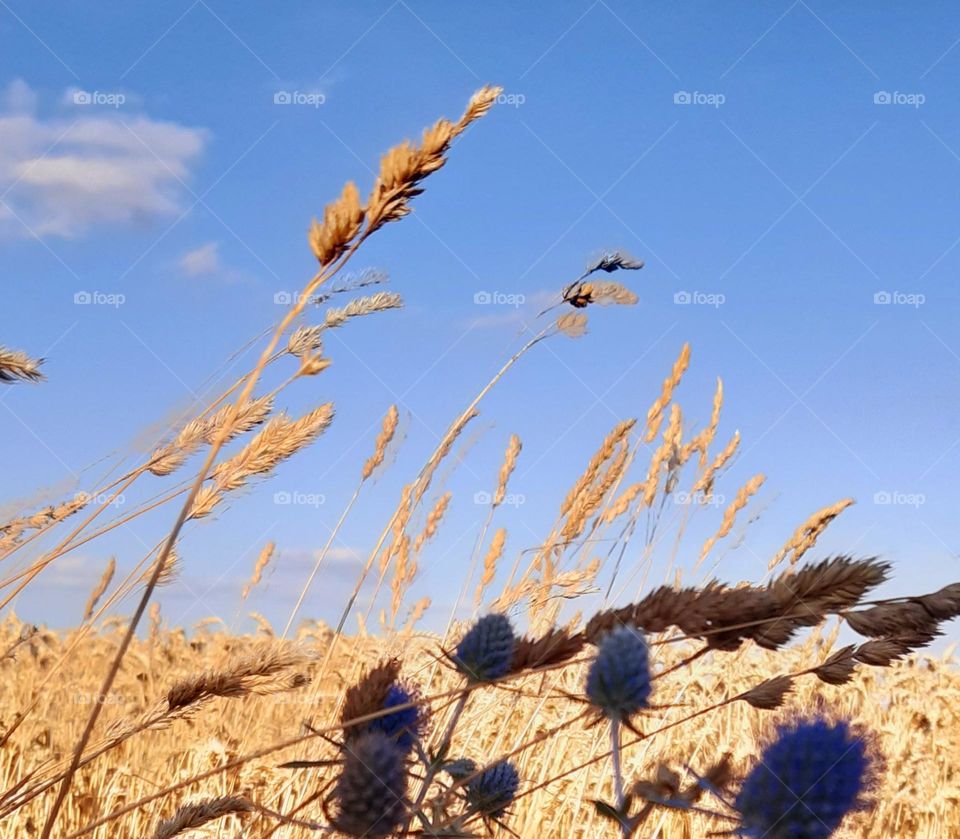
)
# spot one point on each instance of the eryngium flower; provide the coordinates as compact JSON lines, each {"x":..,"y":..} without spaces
{"x":371,"y":791}
{"x":806,"y":781}
{"x":618,"y":682}
{"x":460,"y":768}
{"x":493,"y":790}
{"x":402,"y":726}
{"x":484,"y":653}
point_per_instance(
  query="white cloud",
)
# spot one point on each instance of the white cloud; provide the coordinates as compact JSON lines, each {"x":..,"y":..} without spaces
{"x":19,"y":98}
{"x":201,"y":261}
{"x":64,"y":175}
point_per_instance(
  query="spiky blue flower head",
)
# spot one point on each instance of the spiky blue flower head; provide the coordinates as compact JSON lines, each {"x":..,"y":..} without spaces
{"x":618,"y":681}
{"x":484,"y":653}
{"x":460,"y":768}
{"x":806,"y":781}
{"x":494,"y":789}
{"x":371,"y":791}
{"x":405,"y":725}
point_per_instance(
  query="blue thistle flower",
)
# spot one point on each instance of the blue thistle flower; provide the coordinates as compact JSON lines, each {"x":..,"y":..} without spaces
{"x":460,"y":768}
{"x":618,"y":682}
{"x":485,"y":652}
{"x":402,"y":726}
{"x":806,"y":781}
{"x":494,"y":789}
{"x":372,"y":788}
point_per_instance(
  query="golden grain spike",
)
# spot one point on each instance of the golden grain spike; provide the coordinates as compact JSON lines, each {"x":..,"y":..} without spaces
{"x":263,"y":560}
{"x":16,"y":365}
{"x":506,"y":470}
{"x":342,"y":220}
{"x":806,"y":535}
{"x":388,"y":429}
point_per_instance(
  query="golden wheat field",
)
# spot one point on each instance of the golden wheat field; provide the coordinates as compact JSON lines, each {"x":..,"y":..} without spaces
{"x":920,"y":740}
{"x":552,"y":710}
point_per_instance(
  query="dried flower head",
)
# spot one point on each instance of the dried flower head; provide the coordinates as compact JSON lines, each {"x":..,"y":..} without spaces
{"x":371,"y":791}
{"x":493,"y":790}
{"x":618,"y":682}
{"x":807,"y":780}
{"x":485,"y":652}
{"x":460,"y":768}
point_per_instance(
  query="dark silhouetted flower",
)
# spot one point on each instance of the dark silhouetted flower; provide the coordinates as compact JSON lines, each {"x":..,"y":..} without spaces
{"x":618,"y":682}
{"x":460,"y":768}
{"x":371,"y":791}
{"x":485,"y":652}
{"x":806,"y":781}
{"x":494,"y":789}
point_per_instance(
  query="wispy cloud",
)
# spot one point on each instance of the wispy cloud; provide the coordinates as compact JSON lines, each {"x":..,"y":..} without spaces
{"x":97,"y":164}
{"x":201,"y":261}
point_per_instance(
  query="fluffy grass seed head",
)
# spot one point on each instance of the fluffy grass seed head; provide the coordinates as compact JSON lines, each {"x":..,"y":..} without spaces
{"x":618,"y":681}
{"x":493,"y":790}
{"x":371,"y":792}
{"x":485,"y":652}
{"x":806,"y":782}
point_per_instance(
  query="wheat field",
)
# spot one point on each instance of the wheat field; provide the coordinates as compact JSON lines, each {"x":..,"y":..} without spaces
{"x":911,"y":707}
{"x":126,"y":726}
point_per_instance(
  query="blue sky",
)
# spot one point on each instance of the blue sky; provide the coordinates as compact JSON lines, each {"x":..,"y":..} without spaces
{"x":789,"y":168}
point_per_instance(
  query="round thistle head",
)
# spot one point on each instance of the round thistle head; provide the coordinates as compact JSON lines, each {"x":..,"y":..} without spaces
{"x":460,"y":768}
{"x":493,"y":790}
{"x":618,"y":681}
{"x":485,"y":652}
{"x":405,"y":725}
{"x":807,"y":780}
{"x":371,"y":791}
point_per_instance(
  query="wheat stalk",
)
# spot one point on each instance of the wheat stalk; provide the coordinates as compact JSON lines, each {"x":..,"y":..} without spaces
{"x":16,"y":365}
